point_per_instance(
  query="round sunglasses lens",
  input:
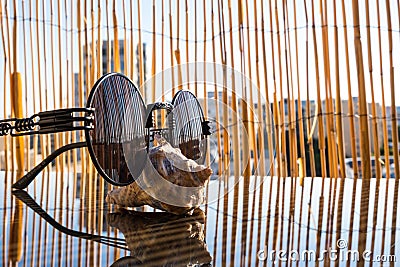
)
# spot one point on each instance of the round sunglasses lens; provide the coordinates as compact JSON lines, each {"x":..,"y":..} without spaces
{"x":118,"y":124}
{"x":188,"y":134}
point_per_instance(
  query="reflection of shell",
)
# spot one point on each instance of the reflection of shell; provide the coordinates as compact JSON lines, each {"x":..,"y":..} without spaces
{"x":162,"y":239}
{"x":172,"y":166}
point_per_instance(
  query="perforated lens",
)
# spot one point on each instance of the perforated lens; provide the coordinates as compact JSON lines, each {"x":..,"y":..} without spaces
{"x":188,"y":117}
{"x":118,"y":119}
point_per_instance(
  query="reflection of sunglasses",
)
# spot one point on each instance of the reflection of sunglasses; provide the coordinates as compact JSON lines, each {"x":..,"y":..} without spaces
{"x":115,"y":118}
{"x":106,"y":240}
{"x":148,"y":235}
{"x":162,"y":239}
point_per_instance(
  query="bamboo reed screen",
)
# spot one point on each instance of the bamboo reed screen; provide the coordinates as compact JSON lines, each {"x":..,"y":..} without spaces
{"x":326,"y":70}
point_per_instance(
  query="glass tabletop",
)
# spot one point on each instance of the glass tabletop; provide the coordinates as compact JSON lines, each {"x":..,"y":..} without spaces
{"x":63,"y":220}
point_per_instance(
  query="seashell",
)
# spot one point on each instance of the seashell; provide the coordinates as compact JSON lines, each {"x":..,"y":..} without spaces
{"x":170,"y":164}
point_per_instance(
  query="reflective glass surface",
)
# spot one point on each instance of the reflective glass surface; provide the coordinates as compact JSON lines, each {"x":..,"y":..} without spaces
{"x":63,"y":220}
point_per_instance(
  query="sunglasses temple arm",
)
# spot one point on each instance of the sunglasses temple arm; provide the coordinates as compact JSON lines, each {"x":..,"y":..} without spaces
{"x":46,"y":122}
{"x":30,"y":176}
{"x":31,"y":203}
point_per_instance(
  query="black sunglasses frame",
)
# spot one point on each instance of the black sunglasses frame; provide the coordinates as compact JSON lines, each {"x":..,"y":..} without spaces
{"x":31,"y":203}
{"x":64,"y":120}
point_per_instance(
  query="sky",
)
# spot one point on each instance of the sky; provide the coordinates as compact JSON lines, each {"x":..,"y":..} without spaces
{"x":61,"y":58}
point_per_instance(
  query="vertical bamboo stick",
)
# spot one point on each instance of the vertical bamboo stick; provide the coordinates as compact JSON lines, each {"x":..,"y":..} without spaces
{"x":117,"y":61}
{"x":279,"y":172}
{"x":364,"y":134}
{"x":205,"y":104}
{"x":5,"y":213}
{"x":282,"y":101}
{"x":99,"y":74}
{"x":74,"y":152}
{"x":92,"y":47}
{"x":235,"y":135}
{"x":195,"y":47}
{"x":4,"y":259}
{"x":93,"y":65}
{"x":225,"y":117}
{"x":187,"y":38}
{"x":216,"y":228}
{"x":217,"y":112}
{"x":351,"y":118}
{"x":87,"y":84}
{"x":292,"y":132}
{"x":277,"y":124}
{"x":330,"y":129}
{"x":15,"y":247}
{"x":246,"y":131}
{"x":260,"y":126}
{"x":375,"y":135}
{"x":308,"y":112}
{"x":46,"y":85}
{"x":153,"y":58}
{"x":339,"y":126}
{"x":275,"y":121}
{"x":91,"y":70}
{"x":67,"y":137}
{"x":321,"y":134}
{"x":10,"y":70}
{"x":178,"y":63}
{"x":268,"y":122}
{"x":25,"y":55}
{"x":171,"y":49}
{"x":109,"y":59}
{"x":132,"y":43}
{"x":282,"y":181}
{"x":55,"y":105}
{"x":86,"y":60}
{"x":292,"y":128}
{"x":16,"y":94}
{"x":252,"y":135}
{"x":81,"y":97}
{"x":5,"y":140}
{"x":53,"y":80}
{"x":178,"y":17}
{"x":162,"y":60}
{"x":349,"y":92}
{"x":41,"y":105}
{"x":220,"y":168}
{"x":205,"y":107}
{"x":292,"y":162}
{"x":384,"y":122}
{"x":331,"y":134}
{"x":392,"y":95}
{"x":226,"y":154}
{"x":60,"y":84}
{"x":302,"y":189}
{"x":64,"y":102}
{"x":302,"y":166}
{"x":339,"y":123}
{"x":393,"y":114}
{"x":234,"y":115}
{"x":100,"y":45}
{"x":125,"y":69}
